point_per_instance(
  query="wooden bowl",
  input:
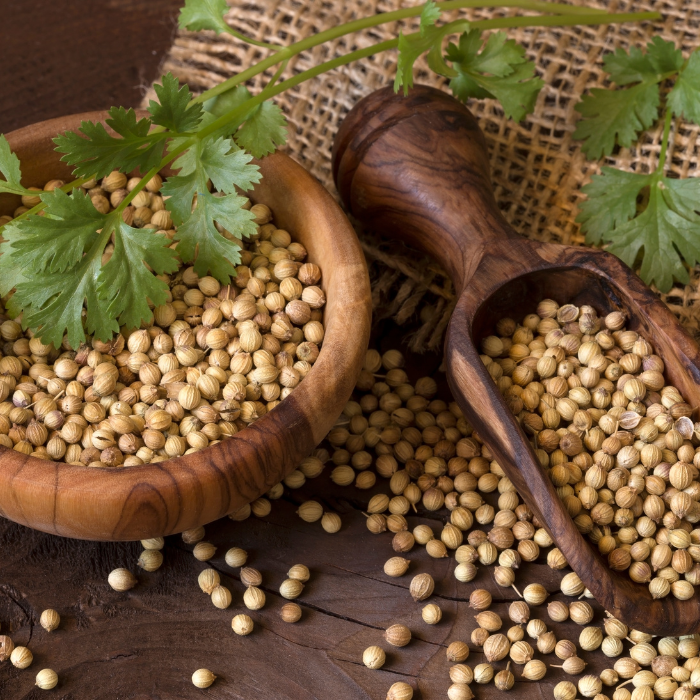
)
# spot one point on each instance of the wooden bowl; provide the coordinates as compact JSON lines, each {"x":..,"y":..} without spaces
{"x":133,"y":503}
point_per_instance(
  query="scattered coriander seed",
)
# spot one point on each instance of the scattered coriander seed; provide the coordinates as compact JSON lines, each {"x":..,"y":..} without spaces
{"x":291,"y":588}
{"x":489,"y":620}
{"x":534,"y":670}
{"x":397,"y":635}
{"x":535,"y":628}
{"x":504,"y":679}
{"x":558,"y":611}
{"x":535,"y":594}
{"x":290,"y":612}
{"x":480,"y":599}
{"x":421,"y":587}
{"x":483,"y":673}
{"x":204,"y":551}
{"x":564,"y":690}
{"x":299,"y":572}
{"x":461,"y":673}
{"x":573,"y":665}
{"x":373,"y":657}
{"x":431,"y":614}
{"x":479,"y":636}
{"x":515,"y":633}
{"x":21,"y":657}
{"x":242,"y":624}
{"x":6,"y":647}
{"x":519,"y":612}
{"x":254,"y":598}
{"x":590,"y":638}
{"x":465,"y":572}
{"x":496,"y":647}
{"x":236,"y":557}
{"x":193,"y":536}
{"x":396,"y":566}
{"x":150,"y":560}
{"x":221,"y":597}
{"x":331,"y":523}
{"x":459,"y":691}
{"x":589,"y":686}
{"x":153,"y":543}
{"x":400,"y":691}
{"x":50,"y":619}
{"x":203,"y":678}
{"x":521,"y":652}
{"x":46,"y":679}
{"x":121,"y":580}
{"x":208,"y":580}
{"x":458,"y":652}
{"x":250,"y":576}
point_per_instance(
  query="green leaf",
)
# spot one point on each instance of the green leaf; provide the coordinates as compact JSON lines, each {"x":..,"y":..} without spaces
{"x":58,"y":240}
{"x":625,"y":68}
{"x":411,"y":48}
{"x":616,"y":116}
{"x":612,"y":201}
{"x":200,"y":241}
{"x":54,"y":306}
{"x":665,"y":237}
{"x":204,"y":14}
{"x":11,"y":273}
{"x":664,"y":56}
{"x":428,"y":16}
{"x":171,"y":110}
{"x":10,"y":169}
{"x":263,"y":130}
{"x":98,"y":153}
{"x":499,"y":70}
{"x":684,"y":98}
{"x":126,"y":283}
{"x":218,"y":160}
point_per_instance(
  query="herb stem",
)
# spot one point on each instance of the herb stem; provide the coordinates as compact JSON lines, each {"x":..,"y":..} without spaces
{"x":668,"y":120}
{"x":406,"y":13}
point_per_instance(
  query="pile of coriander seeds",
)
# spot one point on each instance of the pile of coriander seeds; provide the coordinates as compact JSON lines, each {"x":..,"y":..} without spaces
{"x":617,"y":441}
{"x":215,"y":358}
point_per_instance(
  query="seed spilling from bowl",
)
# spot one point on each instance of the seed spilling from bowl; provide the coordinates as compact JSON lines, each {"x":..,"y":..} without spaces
{"x":214,"y":360}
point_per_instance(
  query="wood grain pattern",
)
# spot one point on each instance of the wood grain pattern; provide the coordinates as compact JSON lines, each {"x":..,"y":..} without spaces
{"x":168,"y":497}
{"x":417,"y":168}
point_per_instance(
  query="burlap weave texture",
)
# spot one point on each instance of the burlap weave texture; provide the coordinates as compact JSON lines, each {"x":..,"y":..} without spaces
{"x":536,"y":167}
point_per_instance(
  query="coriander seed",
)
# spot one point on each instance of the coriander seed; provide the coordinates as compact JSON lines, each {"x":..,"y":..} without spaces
{"x":50,"y":620}
{"x":221,"y":597}
{"x":254,"y":598}
{"x":290,"y":612}
{"x":236,"y":557}
{"x":400,"y":691}
{"x":46,"y":679}
{"x":242,"y":625}
{"x":373,"y":657}
{"x":291,"y":588}
{"x":397,"y":635}
{"x":421,"y":587}
{"x":458,"y":652}
{"x":459,"y":691}
{"x":21,"y":657}
{"x":202,"y":678}
{"x":208,"y":580}
{"x":431,"y":614}
{"x":121,"y":580}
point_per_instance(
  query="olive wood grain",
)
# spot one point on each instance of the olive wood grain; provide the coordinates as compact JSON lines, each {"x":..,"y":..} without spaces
{"x":168,"y":497}
{"x":416,"y":168}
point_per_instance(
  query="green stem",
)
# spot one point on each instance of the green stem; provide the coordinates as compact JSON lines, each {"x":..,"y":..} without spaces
{"x":397,"y":15}
{"x":499,"y":23}
{"x":254,"y":42}
{"x":664,"y":143}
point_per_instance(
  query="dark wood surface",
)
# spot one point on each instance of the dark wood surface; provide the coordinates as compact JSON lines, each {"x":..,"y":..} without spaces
{"x":160,"y":499}
{"x":417,"y":168}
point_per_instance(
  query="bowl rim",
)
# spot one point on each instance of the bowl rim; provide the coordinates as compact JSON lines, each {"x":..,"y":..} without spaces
{"x":129,"y":503}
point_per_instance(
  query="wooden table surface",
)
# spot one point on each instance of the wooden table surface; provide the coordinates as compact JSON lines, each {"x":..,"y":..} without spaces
{"x":73,"y":56}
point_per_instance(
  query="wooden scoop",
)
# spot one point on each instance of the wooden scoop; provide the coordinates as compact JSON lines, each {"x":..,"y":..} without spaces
{"x":416,"y":168}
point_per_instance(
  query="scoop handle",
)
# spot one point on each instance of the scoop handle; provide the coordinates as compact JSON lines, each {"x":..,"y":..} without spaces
{"x":416,"y":168}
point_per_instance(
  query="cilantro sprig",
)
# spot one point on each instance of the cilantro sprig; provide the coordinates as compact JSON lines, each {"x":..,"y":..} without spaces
{"x":72,"y":271}
{"x":650,"y":220}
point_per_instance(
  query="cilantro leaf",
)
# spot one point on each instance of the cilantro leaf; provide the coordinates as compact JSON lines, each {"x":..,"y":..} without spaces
{"x":203,"y":14}
{"x":10,"y":169}
{"x":200,"y":241}
{"x":263,"y":130}
{"x":616,"y":116}
{"x":259,"y":130}
{"x":428,"y":16}
{"x":612,"y":201}
{"x":97,"y":153}
{"x":58,"y":240}
{"x":55,"y":305}
{"x":625,"y":68}
{"x":412,"y":47}
{"x":171,"y":110}
{"x":666,"y":236}
{"x":218,"y":160}
{"x":500,"y":70}
{"x":664,"y":56}
{"x":11,"y":273}
{"x":126,"y":283}
{"x":684,"y":98}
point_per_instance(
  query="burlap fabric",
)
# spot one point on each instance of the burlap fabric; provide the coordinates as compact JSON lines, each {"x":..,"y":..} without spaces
{"x":537,"y":168}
